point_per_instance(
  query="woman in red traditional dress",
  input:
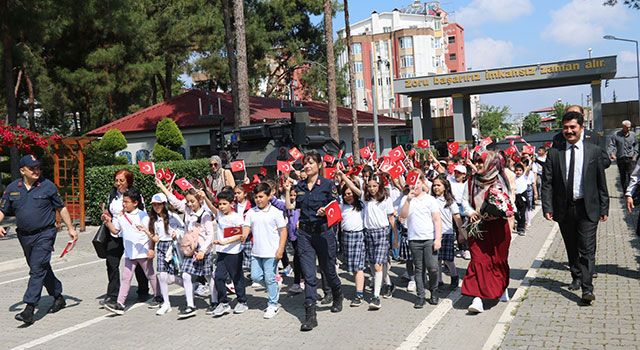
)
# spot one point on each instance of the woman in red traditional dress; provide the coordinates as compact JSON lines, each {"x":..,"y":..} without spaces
{"x":487,"y":275}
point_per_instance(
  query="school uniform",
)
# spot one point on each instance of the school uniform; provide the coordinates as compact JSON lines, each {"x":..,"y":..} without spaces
{"x":229,"y":259}
{"x":521,"y":202}
{"x":190,"y":264}
{"x":165,"y":242}
{"x":376,"y":229}
{"x":446,"y":252}
{"x":353,"y":237}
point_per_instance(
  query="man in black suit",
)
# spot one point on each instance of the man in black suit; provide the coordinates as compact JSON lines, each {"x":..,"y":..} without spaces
{"x":575,"y":195}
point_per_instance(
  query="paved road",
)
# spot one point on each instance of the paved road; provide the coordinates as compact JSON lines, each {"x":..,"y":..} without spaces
{"x":547,"y":315}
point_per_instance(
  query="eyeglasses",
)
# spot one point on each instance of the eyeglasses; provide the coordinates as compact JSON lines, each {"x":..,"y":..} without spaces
{"x":213,"y":164}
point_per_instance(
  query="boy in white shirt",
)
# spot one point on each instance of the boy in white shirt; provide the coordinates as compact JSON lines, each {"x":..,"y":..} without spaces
{"x":522,"y":181}
{"x":229,"y":255}
{"x":130,"y":225}
{"x":269,"y":229}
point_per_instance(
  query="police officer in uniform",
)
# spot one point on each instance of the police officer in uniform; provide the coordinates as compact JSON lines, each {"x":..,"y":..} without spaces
{"x":34,"y":202}
{"x":315,"y":238}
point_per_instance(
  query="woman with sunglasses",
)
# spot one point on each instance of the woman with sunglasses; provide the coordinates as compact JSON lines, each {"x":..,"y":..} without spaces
{"x":218,"y":177}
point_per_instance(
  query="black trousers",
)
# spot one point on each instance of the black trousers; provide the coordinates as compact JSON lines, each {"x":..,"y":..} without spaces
{"x":229,"y":265}
{"x":579,"y":235}
{"x":521,"y":214}
{"x":37,"y":250}
{"x":625,"y":166}
{"x":322,"y":245}
{"x":115,"y":250}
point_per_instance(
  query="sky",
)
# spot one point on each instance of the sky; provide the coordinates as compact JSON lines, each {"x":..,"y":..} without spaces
{"x":502,"y":33}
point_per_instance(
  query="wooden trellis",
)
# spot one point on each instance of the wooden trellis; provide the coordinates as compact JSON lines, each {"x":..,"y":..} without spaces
{"x":68,"y":175}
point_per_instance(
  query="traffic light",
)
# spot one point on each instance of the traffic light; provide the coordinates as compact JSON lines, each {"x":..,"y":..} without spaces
{"x":216,"y":141}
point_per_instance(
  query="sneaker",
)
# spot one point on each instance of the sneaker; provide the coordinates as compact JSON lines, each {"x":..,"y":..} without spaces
{"x":212,"y":307}
{"x":240,"y":308}
{"x":288,"y":271}
{"x":256,"y":285}
{"x":115,"y":307}
{"x":202,"y":291}
{"x":295,"y":289}
{"x":357,"y":301}
{"x":375,"y":304}
{"x":222,"y":309}
{"x":411,"y":286}
{"x":388,"y":291}
{"x":187,"y":312}
{"x":505,"y":296}
{"x":271,"y":311}
{"x":105,"y":300}
{"x":466,"y":255}
{"x":476,"y":306}
{"x":164,"y":309}
{"x":155,"y":303}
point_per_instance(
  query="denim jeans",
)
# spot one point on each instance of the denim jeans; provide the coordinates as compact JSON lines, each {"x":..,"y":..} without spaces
{"x":424,"y":259}
{"x":264,"y":269}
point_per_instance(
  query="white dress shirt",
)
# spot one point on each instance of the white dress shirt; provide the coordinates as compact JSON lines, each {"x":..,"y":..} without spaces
{"x":577,"y":175}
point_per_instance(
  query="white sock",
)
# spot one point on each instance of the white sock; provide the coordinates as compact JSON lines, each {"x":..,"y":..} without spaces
{"x":164,"y":286}
{"x":213,"y":292}
{"x":188,"y":289}
{"x":377,"y":284}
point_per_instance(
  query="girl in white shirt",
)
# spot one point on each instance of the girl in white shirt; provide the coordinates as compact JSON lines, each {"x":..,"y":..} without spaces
{"x":164,"y":228}
{"x":353,"y":237}
{"x":449,"y":214}
{"x":425,"y":236}
{"x":378,"y":218}
{"x":201,"y":263}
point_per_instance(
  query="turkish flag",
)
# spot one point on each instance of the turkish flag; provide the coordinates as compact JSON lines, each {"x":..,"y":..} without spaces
{"x":386,"y":164}
{"x":329,"y":159}
{"x":412,"y":152}
{"x":451,"y":168}
{"x":332,"y":211}
{"x":147,"y":168}
{"x":402,"y":167}
{"x":477,"y":148}
{"x":263,"y":171}
{"x":232,"y":231}
{"x":350,"y":160}
{"x":355,"y":171}
{"x":464,"y":153}
{"x":340,"y":166}
{"x":548,"y":144}
{"x":453,"y":147}
{"x":183,"y":184}
{"x":238,"y":165}
{"x":365,"y":153}
{"x":486,"y":142}
{"x":528,"y":149}
{"x":160,"y":174}
{"x":295,"y":153}
{"x":168,"y":175}
{"x":395,"y":171}
{"x":412,"y":178}
{"x":397,"y":154}
{"x":340,"y":153}
{"x":284,"y":167}
{"x":329,"y":173}
{"x":249,"y":187}
{"x":511,"y":150}
{"x":424,"y":144}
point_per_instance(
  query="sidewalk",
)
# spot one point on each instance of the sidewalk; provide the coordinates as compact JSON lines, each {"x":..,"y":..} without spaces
{"x":550,"y":318}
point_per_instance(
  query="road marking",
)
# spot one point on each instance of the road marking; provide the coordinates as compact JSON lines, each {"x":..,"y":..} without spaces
{"x":417,"y":336}
{"x":58,"y":270}
{"x":497,"y":335}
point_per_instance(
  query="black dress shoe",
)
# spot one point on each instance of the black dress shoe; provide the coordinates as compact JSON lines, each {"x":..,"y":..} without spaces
{"x":419,"y":304}
{"x":328,"y":299}
{"x":434,"y":300}
{"x":58,"y":304}
{"x":588,"y":297}
{"x":26,"y":315}
{"x":575,"y":285}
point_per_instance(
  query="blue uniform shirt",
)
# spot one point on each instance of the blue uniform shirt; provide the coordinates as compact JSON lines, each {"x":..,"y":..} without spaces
{"x":34,"y":209}
{"x":309,"y":201}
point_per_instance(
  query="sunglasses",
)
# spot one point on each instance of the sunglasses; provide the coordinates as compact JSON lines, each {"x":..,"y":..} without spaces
{"x":213,"y":164}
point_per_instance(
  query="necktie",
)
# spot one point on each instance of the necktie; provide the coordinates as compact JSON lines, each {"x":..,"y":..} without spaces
{"x":572,"y":168}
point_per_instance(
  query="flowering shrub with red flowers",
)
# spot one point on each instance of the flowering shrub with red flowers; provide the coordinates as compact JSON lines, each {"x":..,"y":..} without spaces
{"x":24,"y":139}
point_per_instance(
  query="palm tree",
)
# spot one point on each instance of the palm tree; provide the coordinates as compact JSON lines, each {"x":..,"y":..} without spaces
{"x":331,"y":71}
{"x":352,"y":86}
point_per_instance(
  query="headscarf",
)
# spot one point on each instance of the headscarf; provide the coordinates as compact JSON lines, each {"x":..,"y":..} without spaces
{"x":215,"y":181}
{"x":493,"y":174}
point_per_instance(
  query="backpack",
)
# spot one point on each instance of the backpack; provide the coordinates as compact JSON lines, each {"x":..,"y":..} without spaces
{"x":189,"y":241}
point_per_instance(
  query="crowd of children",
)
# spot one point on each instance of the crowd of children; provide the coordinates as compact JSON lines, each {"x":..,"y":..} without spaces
{"x":417,"y":216}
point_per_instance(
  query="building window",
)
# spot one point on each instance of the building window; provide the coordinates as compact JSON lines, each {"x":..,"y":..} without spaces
{"x":387,"y":29}
{"x":356,"y":48}
{"x":438,"y":43}
{"x":452,"y":57}
{"x":127,"y":155}
{"x":433,"y":42}
{"x":142,"y":155}
{"x":406,"y":42}
{"x":406,"y":61}
{"x":452,"y":39}
{"x":388,"y":79}
{"x":357,"y":65}
{"x":407,"y":75}
{"x":453,"y":71}
{"x":438,"y":25}
{"x":359,"y":83}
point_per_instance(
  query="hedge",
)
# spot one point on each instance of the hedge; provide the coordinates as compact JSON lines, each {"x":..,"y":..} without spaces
{"x":99,"y":181}
{"x":164,"y":154}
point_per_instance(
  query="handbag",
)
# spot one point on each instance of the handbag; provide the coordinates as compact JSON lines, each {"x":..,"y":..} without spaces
{"x":100,"y":241}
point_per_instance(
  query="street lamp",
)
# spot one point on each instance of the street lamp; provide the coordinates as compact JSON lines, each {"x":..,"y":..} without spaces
{"x":611,"y":37}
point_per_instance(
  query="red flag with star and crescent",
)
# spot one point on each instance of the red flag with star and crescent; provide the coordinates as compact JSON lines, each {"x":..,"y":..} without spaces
{"x":237,"y":165}
{"x":284,"y":167}
{"x":424,"y":144}
{"x":365,"y":152}
{"x":397,"y":154}
{"x":453,"y":147}
{"x":295,"y":153}
{"x":329,"y":159}
{"x":486,"y":142}
{"x":147,"y":168}
{"x":412,"y":178}
{"x":184,"y":184}
{"x":333,"y":213}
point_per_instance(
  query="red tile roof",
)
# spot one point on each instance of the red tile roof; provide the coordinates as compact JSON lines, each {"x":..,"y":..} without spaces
{"x":185,"y":110}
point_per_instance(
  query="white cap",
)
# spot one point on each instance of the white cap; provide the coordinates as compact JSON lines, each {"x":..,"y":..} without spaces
{"x":159,"y":198}
{"x":460,"y":168}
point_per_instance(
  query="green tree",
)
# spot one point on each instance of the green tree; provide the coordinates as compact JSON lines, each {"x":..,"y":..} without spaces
{"x":634,"y":4}
{"x":103,"y":152}
{"x":162,"y":154}
{"x":168,"y":139}
{"x":559,"y":109}
{"x":531,"y":123}
{"x":492,"y":121}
